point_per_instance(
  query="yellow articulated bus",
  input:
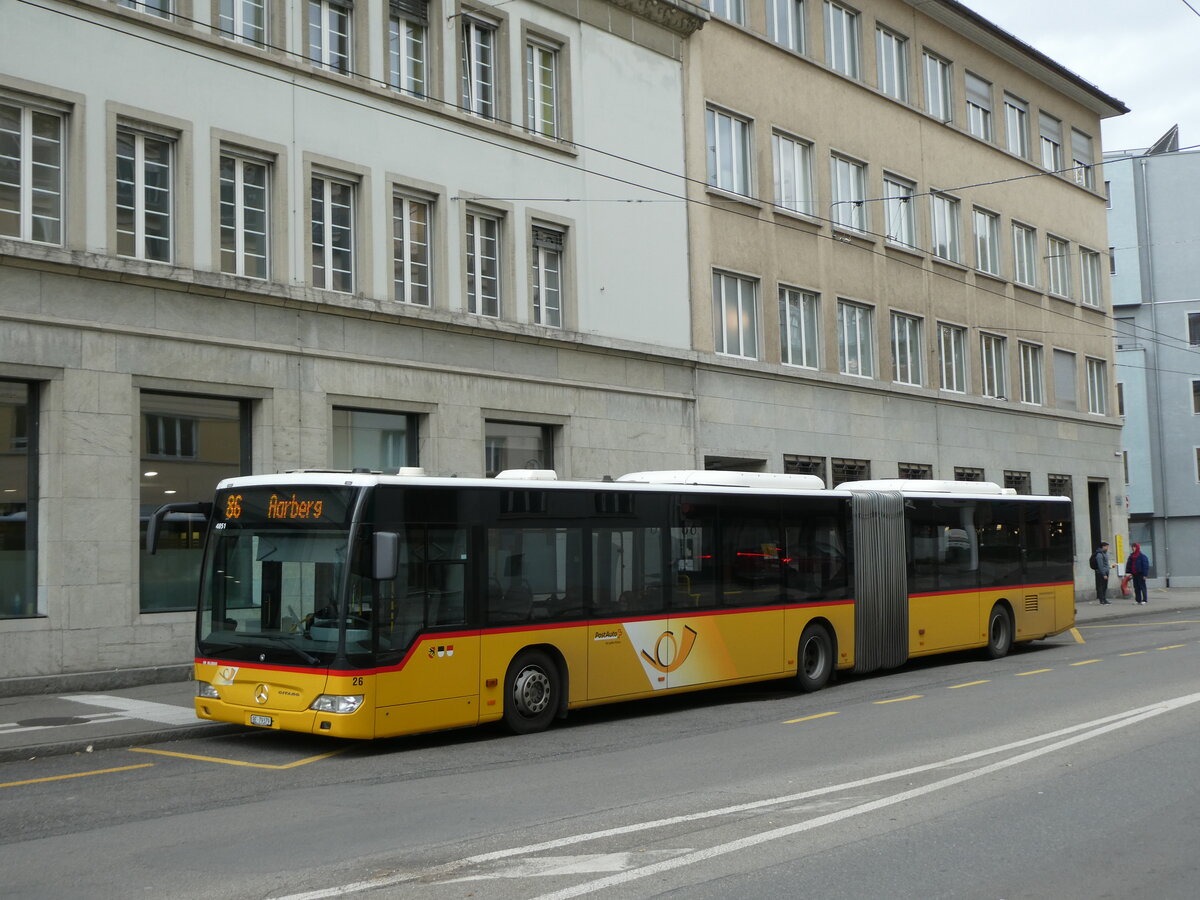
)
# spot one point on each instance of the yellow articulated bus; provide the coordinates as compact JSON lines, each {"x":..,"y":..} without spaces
{"x":363,"y":605}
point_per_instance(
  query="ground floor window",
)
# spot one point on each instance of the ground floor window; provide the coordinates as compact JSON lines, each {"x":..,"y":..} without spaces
{"x":380,"y":441}
{"x":187,"y":444}
{"x":516,"y":445}
{"x":18,"y":482}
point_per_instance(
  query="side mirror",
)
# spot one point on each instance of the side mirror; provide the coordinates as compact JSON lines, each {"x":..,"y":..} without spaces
{"x":154,"y":525}
{"x":385,"y":553}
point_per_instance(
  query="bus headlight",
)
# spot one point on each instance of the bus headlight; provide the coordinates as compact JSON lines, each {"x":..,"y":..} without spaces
{"x":204,"y":689}
{"x":337,"y":703}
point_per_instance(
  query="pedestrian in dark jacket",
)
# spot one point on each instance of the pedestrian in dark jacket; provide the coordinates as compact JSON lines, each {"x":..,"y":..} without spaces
{"x":1103,"y":566}
{"x":1138,"y":565}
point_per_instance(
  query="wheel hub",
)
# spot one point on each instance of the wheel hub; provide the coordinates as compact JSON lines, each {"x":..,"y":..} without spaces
{"x":531,"y":691}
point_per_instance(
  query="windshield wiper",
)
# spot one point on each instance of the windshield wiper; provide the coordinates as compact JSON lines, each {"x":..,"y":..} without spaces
{"x":287,"y":641}
{"x":210,"y":648}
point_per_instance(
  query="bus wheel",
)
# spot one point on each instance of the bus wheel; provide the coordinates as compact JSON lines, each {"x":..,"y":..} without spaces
{"x":815,"y":663}
{"x":1000,"y":633}
{"x":530,"y":693}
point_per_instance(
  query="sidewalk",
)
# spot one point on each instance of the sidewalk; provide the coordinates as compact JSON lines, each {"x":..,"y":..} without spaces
{"x":72,"y":722}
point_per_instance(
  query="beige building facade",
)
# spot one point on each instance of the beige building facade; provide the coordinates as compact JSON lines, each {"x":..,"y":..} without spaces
{"x":899,"y":258}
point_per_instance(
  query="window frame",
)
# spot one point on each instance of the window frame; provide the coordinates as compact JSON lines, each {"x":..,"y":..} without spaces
{"x":140,"y":187}
{"x":323,"y":54}
{"x":993,"y":365}
{"x":945,"y":232}
{"x":787,"y":18}
{"x":848,"y":212}
{"x":740,"y":151}
{"x":1050,"y":142}
{"x":891,"y":58}
{"x":987,"y":241}
{"x":979,"y":106}
{"x":478,"y":301}
{"x":408,"y":289}
{"x":1016,"y":126}
{"x":1096,"y":372}
{"x":479,"y":96}
{"x":27,"y":165}
{"x":232,"y":25}
{"x":939,"y":85}
{"x":242,"y":159}
{"x":329,"y":280}
{"x":952,"y":357}
{"x":1090,"y":289}
{"x":541,"y":48}
{"x":745,"y":314}
{"x":799,"y":153}
{"x":911,"y":359}
{"x":843,"y":39}
{"x":1058,"y":266}
{"x":900,"y":207}
{"x":803,"y":330}
{"x":1025,"y":267}
{"x":1033,"y":377}
{"x":408,"y":72}
{"x":541,"y":254}
{"x":860,"y":338}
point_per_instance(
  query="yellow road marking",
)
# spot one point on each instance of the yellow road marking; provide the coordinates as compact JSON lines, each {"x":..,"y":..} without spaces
{"x":1078,"y":637}
{"x":1085,"y":662}
{"x":1173,"y":647}
{"x":1144,"y":624}
{"x":238,"y":762}
{"x":1133,"y":653}
{"x":809,"y":718}
{"x":900,"y":699}
{"x":968,"y":684}
{"x":1034,"y":672}
{"x":75,"y":775}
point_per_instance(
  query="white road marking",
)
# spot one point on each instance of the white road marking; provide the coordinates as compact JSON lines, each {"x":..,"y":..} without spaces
{"x":163,"y":713}
{"x":90,"y":719}
{"x":1063,"y":737}
{"x":587,"y":864}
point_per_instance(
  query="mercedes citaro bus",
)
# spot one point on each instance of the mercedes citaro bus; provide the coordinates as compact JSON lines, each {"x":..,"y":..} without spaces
{"x":365,"y":605}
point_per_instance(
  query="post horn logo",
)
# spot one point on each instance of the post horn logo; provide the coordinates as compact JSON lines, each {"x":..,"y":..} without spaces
{"x":260,"y":693}
{"x":667,"y":656}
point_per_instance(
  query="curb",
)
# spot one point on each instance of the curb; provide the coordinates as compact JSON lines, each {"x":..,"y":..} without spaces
{"x":119,"y":741}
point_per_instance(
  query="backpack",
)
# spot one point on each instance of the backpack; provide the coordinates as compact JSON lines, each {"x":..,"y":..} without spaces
{"x":1092,"y":561}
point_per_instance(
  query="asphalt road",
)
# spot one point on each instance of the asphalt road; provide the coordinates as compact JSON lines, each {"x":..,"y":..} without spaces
{"x":1065,"y":770}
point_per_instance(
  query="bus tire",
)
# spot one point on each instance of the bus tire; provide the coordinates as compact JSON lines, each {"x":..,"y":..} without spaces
{"x":814,"y":659}
{"x":999,"y":633}
{"x":531,"y":692}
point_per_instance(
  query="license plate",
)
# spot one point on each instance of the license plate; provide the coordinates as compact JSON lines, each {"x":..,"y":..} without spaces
{"x":261,"y":720}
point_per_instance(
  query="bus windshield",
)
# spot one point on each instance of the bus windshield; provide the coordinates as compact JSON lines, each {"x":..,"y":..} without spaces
{"x":273,"y":585}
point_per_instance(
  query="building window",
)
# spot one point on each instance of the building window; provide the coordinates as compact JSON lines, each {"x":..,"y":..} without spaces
{"x":245,"y":241}
{"x":1016,"y":126}
{"x":728,"y":151}
{"x":1097,"y":386}
{"x":1058,"y":485}
{"x":188,"y":444}
{"x":1193,"y":325}
{"x":901,"y":212}
{"x":1024,"y":255}
{"x":945,"y":227}
{"x":516,"y":445}
{"x":410,"y":249}
{"x":1089,"y":270}
{"x":1081,"y":160}
{"x":844,"y":470}
{"x":785,"y":23}
{"x":1058,"y":266}
{"x":244,"y":20}
{"x":914,"y":471}
{"x":18,"y":502}
{"x":968,"y":473}
{"x":483,"y":264}
{"x":1121,"y":399}
{"x":994,"y":366}
{"x":329,"y":35}
{"x":987,"y":241}
{"x":891,"y":52}
{"x":144,"y":202}
{"x":1031,"y":374}
{"x":979,"y":107}
{"x":939,"y":102}
{"x":408,"y":40}
{"x":856,"y":344}
{"x":841,"y":39}
{"x":735,"y":315}
{"x":1112,"y":261}
{"x":799,"y":327}
{"x":1125,"y":464}
{"x":378,"y":441}
{"x":730,"y":10}
{"x":849,"y":194}
{"x":1195,"y":398}
{"x":1064,"y":380}
{"x":31,"y":173}
{"x":952,"y":351}
{"x":795,"y":464}
{"x":332,"y":234}
{"x":1050,"y":130}
{"x":541,"y":89}
{"x":479,"y":67}
{"x":546,"y":280}
{"x":161,"y":8}
{"x":907,"y":353}
{"x":793,"y":173}
{"x":1018,"y":481}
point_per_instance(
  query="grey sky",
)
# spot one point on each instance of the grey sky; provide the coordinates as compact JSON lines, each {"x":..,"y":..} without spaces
{"x":1144,"y":53}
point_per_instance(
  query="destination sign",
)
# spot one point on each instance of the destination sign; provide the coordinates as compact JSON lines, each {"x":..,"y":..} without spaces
{"x":315,"y":505}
